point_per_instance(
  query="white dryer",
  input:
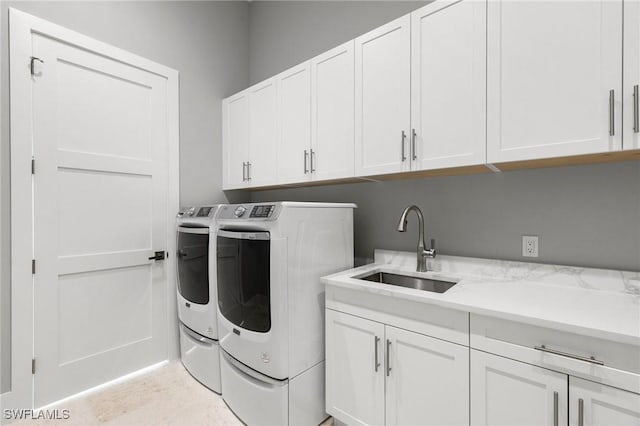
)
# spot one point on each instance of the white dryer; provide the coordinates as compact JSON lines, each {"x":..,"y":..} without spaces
{"x":197,"y":294}
{"x":270,"y":257}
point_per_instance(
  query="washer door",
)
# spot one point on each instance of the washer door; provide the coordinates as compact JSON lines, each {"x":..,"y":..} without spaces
{"x":193,"y":263}
{"x":243,"y":264}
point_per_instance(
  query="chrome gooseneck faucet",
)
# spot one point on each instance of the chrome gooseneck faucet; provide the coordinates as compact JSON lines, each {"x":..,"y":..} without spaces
{"x":422,"y":253}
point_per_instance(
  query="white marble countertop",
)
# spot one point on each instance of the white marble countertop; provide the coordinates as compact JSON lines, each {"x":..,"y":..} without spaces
{"x":593,"y":302}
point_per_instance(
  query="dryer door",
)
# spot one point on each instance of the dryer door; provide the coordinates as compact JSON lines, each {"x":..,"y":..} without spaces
{"x":243,"y":259}
{"x":193,"y":263}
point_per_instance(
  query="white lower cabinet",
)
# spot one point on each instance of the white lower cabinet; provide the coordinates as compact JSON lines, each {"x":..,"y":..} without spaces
{"x":378,"y":374}
{"x":355,"y":377}
{"x":427,"y":380}
{"x":512,"y":393}
{"x":594,"y":404}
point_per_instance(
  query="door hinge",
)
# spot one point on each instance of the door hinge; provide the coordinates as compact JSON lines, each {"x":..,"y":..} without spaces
{"x":32,"y":65}
{"x":33,"y":166}
{"x":33,"y":366}
{"x":33,"y":266}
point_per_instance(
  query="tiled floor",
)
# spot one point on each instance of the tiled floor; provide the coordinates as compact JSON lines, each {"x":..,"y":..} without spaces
{"x":164,"y":396}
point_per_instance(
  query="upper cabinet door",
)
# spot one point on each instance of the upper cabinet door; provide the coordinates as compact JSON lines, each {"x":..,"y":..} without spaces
{"x":383,"y":91}
{"x":448,"y":87}
{"x":631,"y":85}
{"x":235,"y":123}
{"x":554,"y":86}
{"x":263,"y":133}
{"x":427,"y":380}
{"x":333,"y":109}
{"x":294,"y":143}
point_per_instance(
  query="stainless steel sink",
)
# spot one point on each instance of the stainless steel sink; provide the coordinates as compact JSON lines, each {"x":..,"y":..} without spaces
{"x":418,"y":283}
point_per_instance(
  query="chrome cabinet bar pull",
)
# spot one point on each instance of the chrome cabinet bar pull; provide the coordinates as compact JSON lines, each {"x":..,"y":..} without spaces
{"x":386,"y":358}
{"x":244,"y":171}
{"x":555,"y":409}
{"x":413,"y":144}
{"x":306,"y":156}
{"x":402,"y":139}
{"x":248,"y":170}
{"x":636,"y":110}
{"x":612,"y":118}
{"x":592,"y":360}
{"x":580,"y":412}
{"x":375,"y":351}
{"x":313,"y":157}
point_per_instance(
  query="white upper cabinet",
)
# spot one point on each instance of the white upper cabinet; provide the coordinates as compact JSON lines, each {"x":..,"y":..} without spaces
{"x":235,"y":147}
{"x":448,"y":86}
{"x":554,"y":86}
{"x":263,"y":134}
{"x":332,"y":109}
{"x":507,"y":392}
{"x":631,"y":84}
{"x":382,"y":97}
{"x":294,"y":142}
{"x":594,"y":404}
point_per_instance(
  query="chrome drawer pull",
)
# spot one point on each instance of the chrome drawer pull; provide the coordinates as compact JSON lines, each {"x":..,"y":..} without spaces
{"x":592,"y":360}
{"x":555,"y":409}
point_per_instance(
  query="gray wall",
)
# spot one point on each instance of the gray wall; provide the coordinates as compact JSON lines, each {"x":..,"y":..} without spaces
{"x":586,"y":215}
{"x":207,"y":42}
{"x":286,"y":33}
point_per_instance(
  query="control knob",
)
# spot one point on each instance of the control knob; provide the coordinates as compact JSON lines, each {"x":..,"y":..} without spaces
{"x":240,"y":210}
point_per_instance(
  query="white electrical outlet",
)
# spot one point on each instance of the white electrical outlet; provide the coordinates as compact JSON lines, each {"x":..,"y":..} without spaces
{"x":530,"y":245}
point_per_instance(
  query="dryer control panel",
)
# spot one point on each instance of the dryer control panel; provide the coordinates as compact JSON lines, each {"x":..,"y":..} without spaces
{"x":262,"y":211}
{"x":249,"y":212}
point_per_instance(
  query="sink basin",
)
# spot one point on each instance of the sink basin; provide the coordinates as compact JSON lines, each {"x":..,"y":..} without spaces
{"x":418,"y":283}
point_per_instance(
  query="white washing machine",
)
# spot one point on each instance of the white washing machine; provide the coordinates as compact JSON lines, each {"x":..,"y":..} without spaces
{"x":270,"y":257}
{"x":197,"y":294}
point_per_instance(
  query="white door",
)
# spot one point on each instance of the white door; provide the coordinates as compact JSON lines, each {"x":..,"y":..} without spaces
{"x":383,"y":96}
{"x":427,"y":380}
{"x":263,"y":133}
{"x":355,"y":369}
{"x":511,"y":393}
{"x":333,"y":112}
{"x":554,"y":78}
{"x":294,"y":142}
{"x":593,"y":404}
{"x":235,"y":124}
{"x":631,"y":84}
{"x":448,"y":85}
{"x":100,"y":207}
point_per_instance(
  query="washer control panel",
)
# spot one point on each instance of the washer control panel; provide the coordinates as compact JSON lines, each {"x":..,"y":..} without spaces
{"x":199,"y":212}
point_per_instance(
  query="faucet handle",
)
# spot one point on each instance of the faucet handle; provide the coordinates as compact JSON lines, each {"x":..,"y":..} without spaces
{"x":433,"y":243}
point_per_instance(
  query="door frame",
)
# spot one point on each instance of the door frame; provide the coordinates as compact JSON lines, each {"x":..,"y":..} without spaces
{"x":21,"y":28}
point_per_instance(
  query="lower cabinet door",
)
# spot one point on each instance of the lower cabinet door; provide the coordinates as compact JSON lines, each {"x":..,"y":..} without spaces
{"x":427,"y":380}
{"x":593,"y":404}
{"x":355,"y":372}
{"x":512,"y":393}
